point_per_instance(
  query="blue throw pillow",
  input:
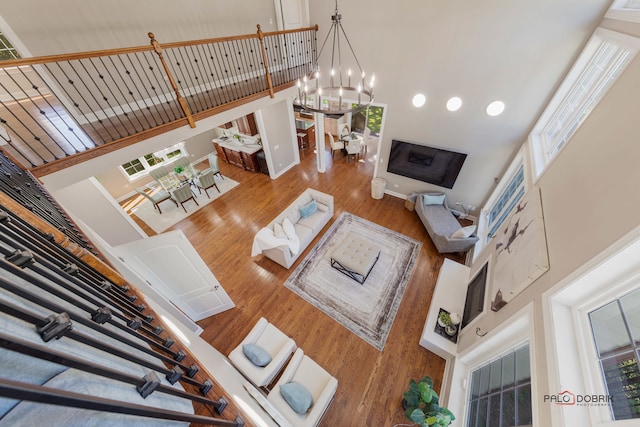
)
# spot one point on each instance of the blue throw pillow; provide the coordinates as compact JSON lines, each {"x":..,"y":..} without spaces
{"x":297,"y":396}
{"x":308,"y":209}
{"x":256,"y":354}
{"x":433,"y":199}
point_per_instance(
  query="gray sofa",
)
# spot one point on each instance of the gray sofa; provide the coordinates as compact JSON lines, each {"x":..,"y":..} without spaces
{"x":441,"y":224}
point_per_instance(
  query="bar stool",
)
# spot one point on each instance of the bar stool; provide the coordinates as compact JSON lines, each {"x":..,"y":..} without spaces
{"x":301,"y":143}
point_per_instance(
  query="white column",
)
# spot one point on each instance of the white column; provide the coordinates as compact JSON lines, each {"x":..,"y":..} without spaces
{"x":320,"y":157}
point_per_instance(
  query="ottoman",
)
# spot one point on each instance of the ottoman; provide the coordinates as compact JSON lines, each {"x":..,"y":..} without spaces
{"x":355,"y":257}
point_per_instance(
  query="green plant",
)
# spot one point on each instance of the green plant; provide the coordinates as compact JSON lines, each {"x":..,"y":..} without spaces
{"x":422,"y":405}
{"x":445,"y":318}
{"x":178,"y":169}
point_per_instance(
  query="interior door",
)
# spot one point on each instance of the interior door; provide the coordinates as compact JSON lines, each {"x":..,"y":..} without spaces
{"x":169,"y":263}
{"x":292,"y":14}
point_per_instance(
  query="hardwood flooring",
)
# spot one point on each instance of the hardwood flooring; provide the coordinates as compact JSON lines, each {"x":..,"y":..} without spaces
{"x":370,"y":383}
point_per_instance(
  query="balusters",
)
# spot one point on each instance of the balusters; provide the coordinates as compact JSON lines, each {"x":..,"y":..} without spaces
{"x":59,"y":106}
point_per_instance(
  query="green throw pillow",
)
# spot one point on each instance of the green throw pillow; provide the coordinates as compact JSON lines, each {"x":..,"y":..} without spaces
{"x":308,"y":209}
{"x":256,"y":354}
{"x":297,"y":396}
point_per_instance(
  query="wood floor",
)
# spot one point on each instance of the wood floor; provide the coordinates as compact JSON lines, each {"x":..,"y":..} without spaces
{"x":370,"y":383}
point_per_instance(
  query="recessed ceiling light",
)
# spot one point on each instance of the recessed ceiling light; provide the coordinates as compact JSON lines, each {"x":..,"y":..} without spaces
{"x":454,"y":104}
{"x":495,"y":108}
{"x":419,"y":100}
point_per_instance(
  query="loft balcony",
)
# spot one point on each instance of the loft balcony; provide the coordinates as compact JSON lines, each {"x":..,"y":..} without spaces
{"x":60,"y":110}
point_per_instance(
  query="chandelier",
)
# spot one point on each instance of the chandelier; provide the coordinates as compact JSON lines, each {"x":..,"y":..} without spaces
{"x":339,"y":90}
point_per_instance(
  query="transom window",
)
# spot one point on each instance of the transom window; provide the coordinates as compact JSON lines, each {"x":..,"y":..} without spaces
{"x":506,"y":202}
{"x":600,"y":64}
{"x":616,"y":332}
{"x":142,"y":165}
{"x":500,"y":394}
{"x":7,"y":51}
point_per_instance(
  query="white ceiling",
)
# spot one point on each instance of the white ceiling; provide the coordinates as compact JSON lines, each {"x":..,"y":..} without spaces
{"x":514,"y":51}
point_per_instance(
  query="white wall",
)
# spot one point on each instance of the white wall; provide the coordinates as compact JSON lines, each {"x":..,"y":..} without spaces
{"x":590,"y":199}
{"x":89,"y":203}
{"x":276,"y":126}
{"x":68,"y":26}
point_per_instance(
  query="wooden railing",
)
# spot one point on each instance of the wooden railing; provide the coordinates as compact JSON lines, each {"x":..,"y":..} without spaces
{"x":64,"y":109}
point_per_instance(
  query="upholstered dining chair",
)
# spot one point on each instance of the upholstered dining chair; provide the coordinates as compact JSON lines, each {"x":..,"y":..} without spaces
{"x":353,"y":148}
{"x":165,"y":177}
{"x":188,"y":169}
{"x":335,"y":145}
{"x":182,"y":195}
{"x":206,"y":180}
{"x":366,"y":136}
{"x":156,"y":198}
{"x":213,"y":164}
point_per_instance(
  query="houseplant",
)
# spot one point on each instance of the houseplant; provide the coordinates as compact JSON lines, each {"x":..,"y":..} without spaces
{"x":421,"y":404}
{"x":444,"y":319}
{"x":178,"y":169}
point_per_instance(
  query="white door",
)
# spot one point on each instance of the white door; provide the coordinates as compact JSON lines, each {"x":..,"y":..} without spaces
{"x":292,"y":14}
{"x":169,"y":263}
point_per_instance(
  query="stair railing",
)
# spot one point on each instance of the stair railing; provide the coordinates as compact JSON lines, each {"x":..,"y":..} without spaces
{"x":87,"y":104}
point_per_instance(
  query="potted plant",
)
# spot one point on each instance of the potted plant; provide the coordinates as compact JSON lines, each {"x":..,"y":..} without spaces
{"x":421,"y":404}
{"x":178,"y":169}
{"x":444,"y":319}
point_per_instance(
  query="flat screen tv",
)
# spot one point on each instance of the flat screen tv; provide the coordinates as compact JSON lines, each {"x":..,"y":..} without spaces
{"x":474,"y":303}
{"x":433,"y":165}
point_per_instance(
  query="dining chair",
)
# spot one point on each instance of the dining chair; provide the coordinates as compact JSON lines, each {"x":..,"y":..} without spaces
{"x":213,"y":164}
{"x":366,"y":136}
{"x":335,"y":145}
{"x":353,"y":148}
{"x":182,"y":195}
{"x":206,"y":180}
{"x":156,"y":198}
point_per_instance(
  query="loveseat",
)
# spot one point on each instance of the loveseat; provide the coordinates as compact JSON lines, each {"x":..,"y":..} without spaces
{"x":288,"y":235}
{"x":443,"y":227}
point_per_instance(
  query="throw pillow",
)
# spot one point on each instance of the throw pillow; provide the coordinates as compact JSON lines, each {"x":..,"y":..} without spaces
{"x":464,"y":232}
{"x":297,"y":396}
{"x":278,"y":231}
{"x":288,"y":228}
{"x":433,"y":199}
{"x":308,"y":209}
{"x":322,"y":207}
{"x":256,"y":354}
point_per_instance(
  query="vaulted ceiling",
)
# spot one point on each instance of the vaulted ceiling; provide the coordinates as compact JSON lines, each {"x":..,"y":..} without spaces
{"x":514,"y":51}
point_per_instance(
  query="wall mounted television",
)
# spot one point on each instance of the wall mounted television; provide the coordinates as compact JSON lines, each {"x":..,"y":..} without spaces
{"x":474,"y":302}
{"x":433,"y":165}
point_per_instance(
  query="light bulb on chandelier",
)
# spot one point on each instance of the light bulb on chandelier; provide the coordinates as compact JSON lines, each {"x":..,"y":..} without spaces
{"x":311,"y":99}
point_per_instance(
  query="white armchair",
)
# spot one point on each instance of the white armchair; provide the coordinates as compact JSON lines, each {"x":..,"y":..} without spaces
{"x":273,"y":341}
{"x":315,"y":379}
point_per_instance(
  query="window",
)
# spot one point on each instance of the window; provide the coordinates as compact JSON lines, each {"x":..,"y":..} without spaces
{"x":506,"y":202}
{"x":600,"y":64}
{"x":500,"y":393}
{"x":7,"y":51}
{"x":142,"y":165}
{"x":616,"y":332}
{"x":371,"y":117}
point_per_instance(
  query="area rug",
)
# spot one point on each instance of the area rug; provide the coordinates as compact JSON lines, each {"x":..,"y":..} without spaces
{"x":367,"y":310}
{"x":172,"y":214}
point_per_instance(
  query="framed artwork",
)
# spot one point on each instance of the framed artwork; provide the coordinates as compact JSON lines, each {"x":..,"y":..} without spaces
{"x":519,"y":250}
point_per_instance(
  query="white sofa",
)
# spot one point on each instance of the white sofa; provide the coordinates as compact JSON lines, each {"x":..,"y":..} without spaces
{"x":306,"y":229}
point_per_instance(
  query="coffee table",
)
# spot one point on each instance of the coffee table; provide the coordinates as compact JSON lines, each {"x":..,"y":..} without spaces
{"x":355,"y":257}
